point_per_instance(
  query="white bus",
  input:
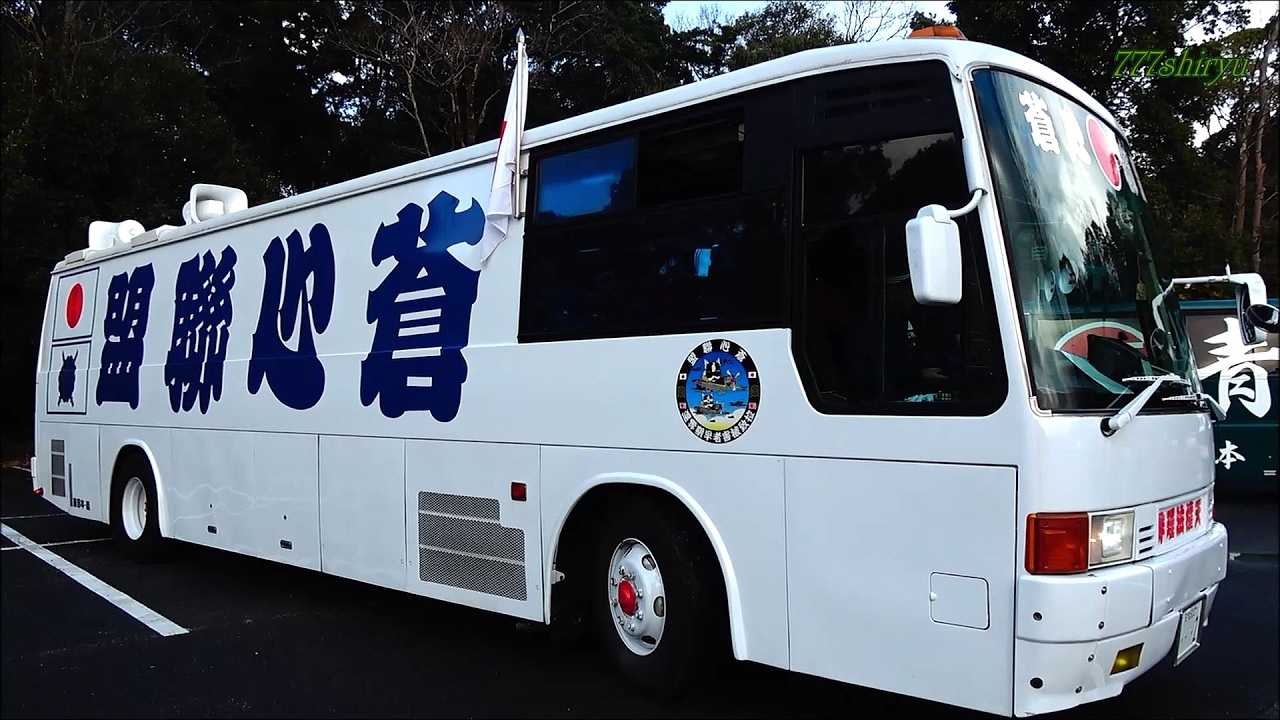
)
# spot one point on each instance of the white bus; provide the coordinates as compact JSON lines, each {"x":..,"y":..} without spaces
{"x":718,"y":392}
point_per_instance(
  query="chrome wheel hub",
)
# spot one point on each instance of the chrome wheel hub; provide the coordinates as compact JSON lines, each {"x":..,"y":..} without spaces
{"x":133,"y":508}
{"x":637,"y":597}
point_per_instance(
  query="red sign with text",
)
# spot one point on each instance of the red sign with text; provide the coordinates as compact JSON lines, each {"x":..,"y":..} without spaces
{"x":1179,"y":519}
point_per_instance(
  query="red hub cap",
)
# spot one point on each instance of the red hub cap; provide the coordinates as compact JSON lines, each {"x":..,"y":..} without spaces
{"x":627,"y":597}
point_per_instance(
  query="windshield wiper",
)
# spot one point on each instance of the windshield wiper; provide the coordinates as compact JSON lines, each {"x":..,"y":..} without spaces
{"x":1207,"y":399}
{"x":1111,"y":425}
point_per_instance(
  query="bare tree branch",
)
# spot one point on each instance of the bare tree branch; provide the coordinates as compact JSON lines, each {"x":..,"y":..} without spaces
{"x":871,"y":20}
{"x":439,"y":50}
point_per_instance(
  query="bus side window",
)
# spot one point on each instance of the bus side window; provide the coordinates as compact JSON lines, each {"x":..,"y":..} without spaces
{"x":677,"y":243}
{"x":599,"y":179}
{"x":869,"y":346}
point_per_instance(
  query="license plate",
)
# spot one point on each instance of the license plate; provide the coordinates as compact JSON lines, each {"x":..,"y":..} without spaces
{"x":1177,"y":520}
{"x":1189,"y":631}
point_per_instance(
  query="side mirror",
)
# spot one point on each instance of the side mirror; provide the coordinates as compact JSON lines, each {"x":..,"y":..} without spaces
{"x":933,"y":256}
{"x":1251,"y":292}
{"x":1248,"y":333}
{"x":1266,"y":317}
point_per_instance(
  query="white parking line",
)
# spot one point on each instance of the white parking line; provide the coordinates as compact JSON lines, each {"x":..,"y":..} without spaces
{"x":56,"y":544}
{"x":142,"y":613}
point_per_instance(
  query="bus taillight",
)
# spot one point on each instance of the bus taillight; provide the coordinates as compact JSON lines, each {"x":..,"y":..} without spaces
{"x":1057,"y":543}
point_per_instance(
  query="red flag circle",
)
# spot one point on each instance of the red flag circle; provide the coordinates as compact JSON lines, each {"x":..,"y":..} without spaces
{"x":1104,"y":150}
{"x":75,"y":305}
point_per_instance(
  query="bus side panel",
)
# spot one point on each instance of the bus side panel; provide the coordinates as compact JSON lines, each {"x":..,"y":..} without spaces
{"x":901,"y":577}
{"x":469,"y":540}
{"x":283,"y":523}
{"x":1245,"y":382}
{"x":362,"y":497}
{"x":68,"y":367}
{"x":205,"y":468}
{"x":739,"y":499}
{"x":68,"y":468}
{"x":251,"y":493}
{"x":40,"y":472}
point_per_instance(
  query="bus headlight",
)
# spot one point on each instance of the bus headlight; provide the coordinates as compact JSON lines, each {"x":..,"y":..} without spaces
{"x":1110,"y":538}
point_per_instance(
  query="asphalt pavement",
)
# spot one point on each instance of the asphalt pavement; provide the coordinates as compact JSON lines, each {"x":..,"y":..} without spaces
{"x":266,"y":640}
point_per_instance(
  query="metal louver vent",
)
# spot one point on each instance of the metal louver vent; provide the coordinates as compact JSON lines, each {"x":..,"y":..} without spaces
{"x":462,"y":544}
{"x":58,"y":467}
{"x":1146,"y":541}
{"x":844,"y":102}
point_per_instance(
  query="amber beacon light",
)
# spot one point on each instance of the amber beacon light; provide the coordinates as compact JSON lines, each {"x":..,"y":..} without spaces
{"x":939,"y":31}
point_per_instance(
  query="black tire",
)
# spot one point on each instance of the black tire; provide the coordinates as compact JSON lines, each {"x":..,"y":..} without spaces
{"x":150,"y":546}
{"x":695,"y":637}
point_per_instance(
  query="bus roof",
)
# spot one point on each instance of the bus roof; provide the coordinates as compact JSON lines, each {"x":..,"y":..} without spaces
{"x":959,"y":54}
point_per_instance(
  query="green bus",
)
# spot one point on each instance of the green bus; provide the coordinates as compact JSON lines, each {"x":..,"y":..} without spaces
{"x":1244,"y":380}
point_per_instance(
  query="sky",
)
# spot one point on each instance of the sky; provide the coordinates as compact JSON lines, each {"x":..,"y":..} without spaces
{"x":689,"y":8}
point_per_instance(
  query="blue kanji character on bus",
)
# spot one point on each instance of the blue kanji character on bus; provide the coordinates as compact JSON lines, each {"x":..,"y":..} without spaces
{"x":422,"y":311}
{"x":123,"y":329}
{"x":201,"y":324}
{"x":296,"y":377}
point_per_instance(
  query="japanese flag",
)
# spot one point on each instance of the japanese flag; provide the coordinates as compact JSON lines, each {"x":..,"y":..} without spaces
{"x":75,"y":313}
{"x":502,"y":191}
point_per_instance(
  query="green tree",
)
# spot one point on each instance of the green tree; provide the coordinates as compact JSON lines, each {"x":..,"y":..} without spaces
{"x":267,"y":65}
{"x":784,"y":27}
{"x":92,"y":130}
{"x":1190,"y":189}
{"x":443,"y":68}
{"x":920,"y":20}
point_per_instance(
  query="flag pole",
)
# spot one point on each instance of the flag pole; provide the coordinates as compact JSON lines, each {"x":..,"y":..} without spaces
{"x":517,"y":206}
{"x":504,"y":190}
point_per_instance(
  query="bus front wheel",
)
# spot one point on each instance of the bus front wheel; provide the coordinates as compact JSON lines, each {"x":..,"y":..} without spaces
{"x":658,"y":604}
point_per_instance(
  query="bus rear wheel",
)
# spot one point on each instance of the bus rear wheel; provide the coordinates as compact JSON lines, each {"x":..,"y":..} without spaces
{"x":657,"y":596}
{"x":135,"y":517}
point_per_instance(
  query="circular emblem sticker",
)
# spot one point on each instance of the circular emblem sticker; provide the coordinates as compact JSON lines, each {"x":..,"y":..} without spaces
{"x":718,"y":391}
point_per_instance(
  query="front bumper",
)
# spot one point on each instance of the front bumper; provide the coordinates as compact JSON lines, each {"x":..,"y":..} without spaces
{"x":1070,"y":628}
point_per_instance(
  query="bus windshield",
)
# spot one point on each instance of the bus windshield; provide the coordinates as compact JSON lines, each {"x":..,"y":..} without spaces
{"x":1076,"y":224}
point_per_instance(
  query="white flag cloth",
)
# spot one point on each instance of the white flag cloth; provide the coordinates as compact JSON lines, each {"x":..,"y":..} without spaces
{"x":503,"y":190}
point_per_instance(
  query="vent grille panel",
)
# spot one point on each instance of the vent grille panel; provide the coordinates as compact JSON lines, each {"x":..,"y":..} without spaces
{"x":58,"y":467}
{"x":483,"y":575}
{"x":462,"y":544}
{"x":1146,"y":541}
{"x":472,"y":536}
{"x":480,"y":508}
{"x":841,"y":103}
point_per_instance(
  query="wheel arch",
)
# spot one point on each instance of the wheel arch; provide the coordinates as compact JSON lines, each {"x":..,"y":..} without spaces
{"x":133,"y":446}
{"x":595,"y":489}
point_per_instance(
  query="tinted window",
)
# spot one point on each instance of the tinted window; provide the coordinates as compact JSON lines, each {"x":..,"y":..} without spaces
{"x":703,"y":159}
{"x":868,"y":345}
{"x":656,"y":234}
{"x":593,"y":180}
{"x":715,"y":265}
{"x":895,"y":176}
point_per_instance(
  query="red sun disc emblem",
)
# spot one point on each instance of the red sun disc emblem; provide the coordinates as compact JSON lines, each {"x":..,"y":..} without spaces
{"x":75,"y":305}
{"x":1104,"y":150}
{"x":1076,"y":341}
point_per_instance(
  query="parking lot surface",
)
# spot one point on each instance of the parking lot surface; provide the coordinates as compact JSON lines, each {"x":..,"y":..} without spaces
{"x":256,"y":639}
